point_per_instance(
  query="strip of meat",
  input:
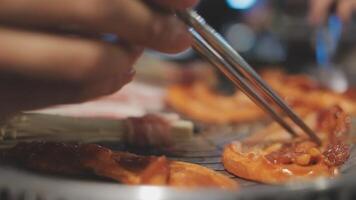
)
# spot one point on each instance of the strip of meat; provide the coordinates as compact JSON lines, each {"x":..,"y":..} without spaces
{"x":184,"y":174}
{"x":200,"y":102}
{"x":271,"y":156}
{"x":127,"y":168}
{"x":150,"y":130}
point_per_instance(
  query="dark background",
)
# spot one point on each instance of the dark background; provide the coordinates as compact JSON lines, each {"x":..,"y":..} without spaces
{"x":271,"y":33}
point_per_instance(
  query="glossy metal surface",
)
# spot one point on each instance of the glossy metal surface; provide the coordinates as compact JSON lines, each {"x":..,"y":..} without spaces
{"x":22,"y":185}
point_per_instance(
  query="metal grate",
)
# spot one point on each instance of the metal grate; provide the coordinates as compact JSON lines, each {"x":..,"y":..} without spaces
{"x":206,"y":148}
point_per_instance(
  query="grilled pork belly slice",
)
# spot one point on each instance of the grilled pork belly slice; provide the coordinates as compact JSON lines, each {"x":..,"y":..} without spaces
{"x":272,"y":156}
{"x":126,"y":168}
{"x":201,"y":102}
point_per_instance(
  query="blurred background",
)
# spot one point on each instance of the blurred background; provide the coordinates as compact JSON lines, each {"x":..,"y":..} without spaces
{"x":275,"y":33}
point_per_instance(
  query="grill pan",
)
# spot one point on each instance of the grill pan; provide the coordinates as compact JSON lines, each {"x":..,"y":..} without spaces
{"x":205,"y":148}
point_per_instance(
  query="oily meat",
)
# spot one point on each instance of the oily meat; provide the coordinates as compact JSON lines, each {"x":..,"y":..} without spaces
{"x":148,"y":131}
{"x":272,"y":156}
{"x":48,"y":157}
{"x":203,"y":103}
{"x":336,"y":154}
{"x":199,"y":102}
{"x":126,"y":168}
{"x":86,"y":159}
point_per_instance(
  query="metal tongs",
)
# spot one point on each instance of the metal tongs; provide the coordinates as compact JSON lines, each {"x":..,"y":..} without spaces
{"x":216,"y":50}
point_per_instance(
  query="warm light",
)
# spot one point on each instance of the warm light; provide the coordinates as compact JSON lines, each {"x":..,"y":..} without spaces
{"x":240,"y":4}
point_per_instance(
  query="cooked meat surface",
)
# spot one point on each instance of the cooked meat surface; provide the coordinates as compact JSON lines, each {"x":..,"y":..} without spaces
{"x":272,"y":156}
{"x":127,"y":168}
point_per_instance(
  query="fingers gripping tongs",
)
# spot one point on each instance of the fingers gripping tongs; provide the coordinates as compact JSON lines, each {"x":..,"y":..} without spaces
{"x":217,"y":51}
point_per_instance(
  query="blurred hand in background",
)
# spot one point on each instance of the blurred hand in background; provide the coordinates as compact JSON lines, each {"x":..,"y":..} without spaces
{"x":52,"y":52}
{"x":320,"y":9}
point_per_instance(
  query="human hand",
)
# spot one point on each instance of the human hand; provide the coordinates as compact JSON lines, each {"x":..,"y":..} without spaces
{"x":319,"y":10}
{"x":41,"y":64}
